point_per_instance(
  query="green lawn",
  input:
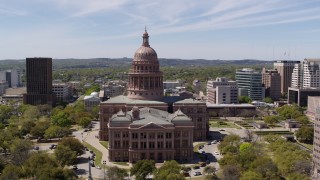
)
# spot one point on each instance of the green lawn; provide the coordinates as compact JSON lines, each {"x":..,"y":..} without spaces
{"x":121,"y":163}
{"x":198,"y":178}
{"x":223,"y":124}
{"x":96,"y":151}
{"x":105,"y":144}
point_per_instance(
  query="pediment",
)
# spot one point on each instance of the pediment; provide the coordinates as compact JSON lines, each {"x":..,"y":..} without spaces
{"x":152,"y":126}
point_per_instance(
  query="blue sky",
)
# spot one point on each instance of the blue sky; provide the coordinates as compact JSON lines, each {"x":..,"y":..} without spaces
{"x":187,"y":29}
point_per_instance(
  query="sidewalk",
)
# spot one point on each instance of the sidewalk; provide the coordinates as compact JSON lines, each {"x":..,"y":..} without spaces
{"x":93,"y":141}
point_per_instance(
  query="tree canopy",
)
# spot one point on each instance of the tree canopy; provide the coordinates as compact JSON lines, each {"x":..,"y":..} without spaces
{"x":142,"y":169}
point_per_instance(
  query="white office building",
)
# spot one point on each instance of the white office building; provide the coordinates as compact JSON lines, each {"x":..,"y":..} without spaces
{"x":222,"y":91}
{"x":61,"y":90}
{"x":307,"y":74}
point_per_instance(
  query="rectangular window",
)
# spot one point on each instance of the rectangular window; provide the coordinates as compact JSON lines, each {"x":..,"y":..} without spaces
{"x":151,"y":135}
{"x":160,"y":135}
{"x":134,"y":135}
{"x":168,"y":135}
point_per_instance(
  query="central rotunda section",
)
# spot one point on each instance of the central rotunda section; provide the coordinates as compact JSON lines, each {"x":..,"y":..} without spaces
{"x":145,"y":77}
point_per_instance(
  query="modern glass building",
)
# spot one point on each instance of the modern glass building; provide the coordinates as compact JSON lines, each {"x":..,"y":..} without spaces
{"x":250,"y":84}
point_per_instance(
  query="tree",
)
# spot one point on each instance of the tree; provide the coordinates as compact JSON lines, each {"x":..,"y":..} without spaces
{"x":142,"y":168}
{"x":44,"y":109}
{"x":303,"y":120}
{"x":116,"y":173}
{"x":209,"y":170}
{"x":56,"y":132}
{"x":170,"y":170}
{"x":93,"y":88}
{"x":20,"y":150}
{"x":290,"y":111}
{"x":95,"y":112}
{"x":297,"y":176}
{"x":271,"y":119}
{"x":11,"y":172}
{"x":64,"y":155}
{"x":26,"y":126}
{"x":250,"y":135}
{"x":61,"y":119}
{"x":84,"y":121}
{"x":303,"y":167}
{"x":305,"y":134}
{"x":5,"y":113}
{"x":244,"y":99}
{"x":231,"y":172}
{"x":31,"y":113}
{"x":39,"y":129}
{"x":266,"y":167}
{"x":42,"y":166}
{"x":229,"y":142}
{"x":6,"y":139}
{"x":72,"y":143}
{"x":267,"y":100}
{"x":251,"y":175}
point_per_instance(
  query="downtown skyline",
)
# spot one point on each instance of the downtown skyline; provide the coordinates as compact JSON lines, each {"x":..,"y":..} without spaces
{"x":220,"y":29}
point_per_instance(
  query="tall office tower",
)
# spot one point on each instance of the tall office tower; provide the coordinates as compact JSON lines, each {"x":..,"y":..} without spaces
{"x":12,"y":76}
{"x":271,"y":80}
{"x":297,"y":76}
{"x":311,"y":73}
{"x":285,"y":69}
{"x":250,"y":84}
{"x":306,"y":74}
{"x":222,"y":91}
{"x":3,"y":76}
{"x":316,"y":146}
{"x":39,"y":81}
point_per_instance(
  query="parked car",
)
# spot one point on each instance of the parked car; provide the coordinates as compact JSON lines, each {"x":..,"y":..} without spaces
{"x":197,"y":174}
{"x":36,"y":148}
{"x":186,"y":174}
{"x":202,"y":164}
{"x":214,"y":142}
{"x":98,"y":167}
{"x":196,"y":167}
{"x":53,"y":146}
{"x":74,"y":167}
{"x":216,"y":153}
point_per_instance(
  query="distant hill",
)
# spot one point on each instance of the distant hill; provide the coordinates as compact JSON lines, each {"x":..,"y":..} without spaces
{"x":126,"y":62}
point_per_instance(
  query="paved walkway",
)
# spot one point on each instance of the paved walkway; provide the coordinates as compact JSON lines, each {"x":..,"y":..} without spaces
{"x":91,"y":138}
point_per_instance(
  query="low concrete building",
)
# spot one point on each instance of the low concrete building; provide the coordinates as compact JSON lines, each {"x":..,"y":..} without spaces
{"x":112,"y":90}
{"x":91,"y":101}
{"x":3,"y":86}
{"x":169,"y":84}
{"x":149,"y":133}
{"x":313,"y":104}
{"x":299,"y":96}
{"x":222,"y":91}
{"x":291,"y":123}
{"x":230,"y":110}
{"x":62,"y":91}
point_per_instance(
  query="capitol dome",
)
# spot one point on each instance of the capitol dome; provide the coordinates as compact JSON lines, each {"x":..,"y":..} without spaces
{"x":145,"y":52}
{"x":145,"y":77}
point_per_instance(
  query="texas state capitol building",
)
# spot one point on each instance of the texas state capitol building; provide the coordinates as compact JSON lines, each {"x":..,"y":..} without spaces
{"x":145,"y":124}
